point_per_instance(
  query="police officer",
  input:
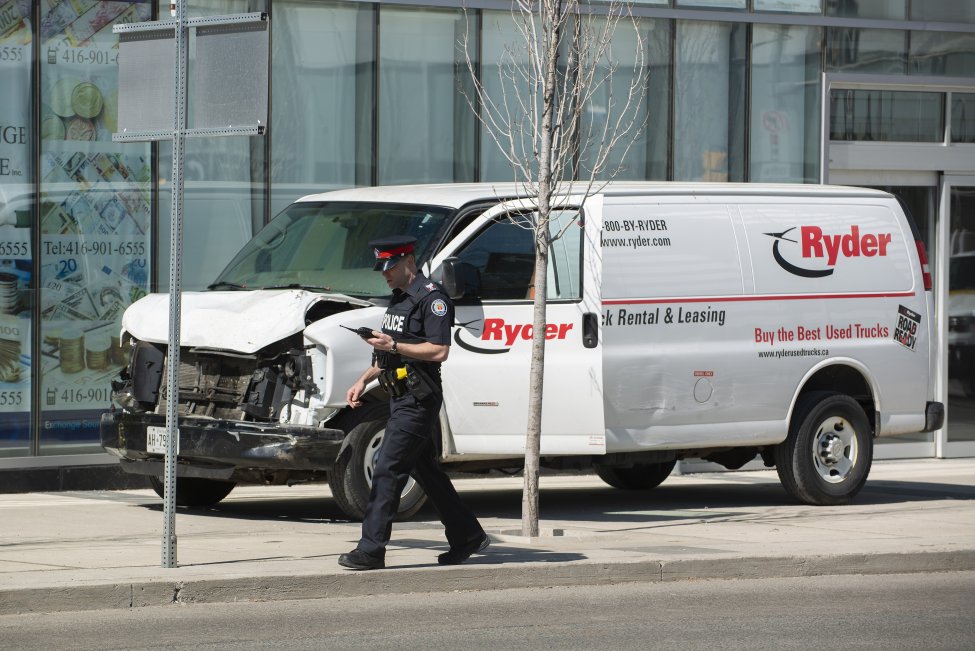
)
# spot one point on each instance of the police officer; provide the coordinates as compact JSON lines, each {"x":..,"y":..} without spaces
{"x":415,"y":339}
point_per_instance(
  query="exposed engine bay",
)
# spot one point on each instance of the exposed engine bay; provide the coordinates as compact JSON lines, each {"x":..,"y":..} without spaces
{"x":225,"y":385}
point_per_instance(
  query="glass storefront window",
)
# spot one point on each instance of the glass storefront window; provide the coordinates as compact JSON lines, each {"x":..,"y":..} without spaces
{"x":223,"y":181}
{"x":713,"y":4}
{"x":322,"y":72}
{"x":426,"y":127}
{"x":785,"y":103}
{"x":790,"y":6}
{"x":223,"y":206}
{"x":921,"y":202}
{"x":943,"y":11}
{"x":709,"y":103}
{"x":501,"y":57}
{"x":884,"y":9}
{"x":942,"y":53}
{"x":645,"y":156}
{"x":963,"y":117}
{"x":886,"y":116}
{"x":94,"y":219}
{"x":16,"y":216}
{"x":961,"y":315}
{"x":882,"y":51}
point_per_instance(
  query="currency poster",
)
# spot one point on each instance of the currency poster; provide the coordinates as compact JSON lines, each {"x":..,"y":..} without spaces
{"x":16,"y":266}
{"x":94,"y":216}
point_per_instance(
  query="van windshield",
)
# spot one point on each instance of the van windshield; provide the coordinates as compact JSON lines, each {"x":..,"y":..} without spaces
{"x":325,"y":247}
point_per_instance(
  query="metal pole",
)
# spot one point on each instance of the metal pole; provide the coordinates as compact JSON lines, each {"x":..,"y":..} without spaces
{"x":175,"y":286}
{"x":824,"y":131}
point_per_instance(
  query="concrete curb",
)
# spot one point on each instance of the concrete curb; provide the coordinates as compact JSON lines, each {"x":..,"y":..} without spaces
{"x":466,"y":577}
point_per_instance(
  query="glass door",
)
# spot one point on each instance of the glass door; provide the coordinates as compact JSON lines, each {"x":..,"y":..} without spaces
{"x":958,"y":374}
{"x":919,"y":193}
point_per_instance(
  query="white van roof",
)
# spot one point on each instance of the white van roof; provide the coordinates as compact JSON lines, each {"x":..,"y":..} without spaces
{"x":455,"y":195}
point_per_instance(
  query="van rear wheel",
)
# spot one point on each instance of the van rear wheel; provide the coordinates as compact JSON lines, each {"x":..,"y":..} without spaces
{"x":351,"y":477}
{"x":827,"y":456}
{"x":638,"y":477}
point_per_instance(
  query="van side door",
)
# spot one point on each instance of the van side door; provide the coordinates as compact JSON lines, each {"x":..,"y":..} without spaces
{"x":486,"y":378}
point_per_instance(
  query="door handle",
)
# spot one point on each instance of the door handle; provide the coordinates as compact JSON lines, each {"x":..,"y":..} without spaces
{"x":590,"y":330}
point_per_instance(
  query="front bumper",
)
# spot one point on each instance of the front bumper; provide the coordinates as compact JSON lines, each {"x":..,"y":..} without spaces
{"x":221,"y":449}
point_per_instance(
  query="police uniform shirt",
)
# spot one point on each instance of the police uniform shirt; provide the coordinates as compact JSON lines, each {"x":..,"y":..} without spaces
{"x":421,"y":313}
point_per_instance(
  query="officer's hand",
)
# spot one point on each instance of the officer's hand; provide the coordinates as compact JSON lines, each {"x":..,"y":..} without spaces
{"x":354,"y":393}
{"x":381,"y":341}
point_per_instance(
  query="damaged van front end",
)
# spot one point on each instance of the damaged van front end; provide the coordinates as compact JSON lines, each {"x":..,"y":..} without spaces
{"x":251,"y":403}
{"x":264,"y":361}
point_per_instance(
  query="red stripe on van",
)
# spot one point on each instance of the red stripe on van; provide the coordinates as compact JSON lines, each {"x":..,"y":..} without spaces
{"x":738,"y":299}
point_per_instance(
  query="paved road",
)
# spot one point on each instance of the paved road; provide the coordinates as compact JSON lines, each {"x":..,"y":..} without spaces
{"x":77,"y":551}
{"x":888,"y":612}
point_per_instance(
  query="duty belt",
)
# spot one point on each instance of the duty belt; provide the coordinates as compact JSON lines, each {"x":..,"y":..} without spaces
{"x":393,"y":380}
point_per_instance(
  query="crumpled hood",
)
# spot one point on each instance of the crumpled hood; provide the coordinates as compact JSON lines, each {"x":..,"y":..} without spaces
{"x":241,"y":321}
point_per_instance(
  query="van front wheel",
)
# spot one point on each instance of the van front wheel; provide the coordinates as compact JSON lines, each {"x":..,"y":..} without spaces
{"x":827,"y":456}
{"x":194,"y":492}
{"x":639,"y":477}
{"x":351,"y":477}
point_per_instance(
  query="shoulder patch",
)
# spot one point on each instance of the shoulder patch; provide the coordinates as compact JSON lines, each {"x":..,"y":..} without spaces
{"x":439,"y":307}
{"x":430,"y":287}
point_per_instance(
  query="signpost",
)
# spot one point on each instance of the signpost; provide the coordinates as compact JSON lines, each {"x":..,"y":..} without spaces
{"x":230,"y":89}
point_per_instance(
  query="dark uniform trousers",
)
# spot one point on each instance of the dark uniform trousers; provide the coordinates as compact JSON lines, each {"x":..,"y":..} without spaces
{"x":408,"y":448}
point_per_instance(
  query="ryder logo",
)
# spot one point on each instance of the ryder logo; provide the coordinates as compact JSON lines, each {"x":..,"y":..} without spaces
{"x":499,"y":330}
{"x":815,"y":246}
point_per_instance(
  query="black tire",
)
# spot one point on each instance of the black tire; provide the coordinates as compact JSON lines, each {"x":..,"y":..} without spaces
{"x":827,"y":456}
{"x":642,"y":477}
{"x":351,"y":477}
{"x":193,"y":491}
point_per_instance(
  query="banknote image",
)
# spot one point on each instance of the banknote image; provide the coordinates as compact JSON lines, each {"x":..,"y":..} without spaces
{"x":93,"y":20}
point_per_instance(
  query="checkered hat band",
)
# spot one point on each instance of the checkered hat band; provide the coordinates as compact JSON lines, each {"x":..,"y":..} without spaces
{"x":392,"y":253}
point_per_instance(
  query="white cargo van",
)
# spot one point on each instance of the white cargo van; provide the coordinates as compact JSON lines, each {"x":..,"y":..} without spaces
{"x":705,"y":321}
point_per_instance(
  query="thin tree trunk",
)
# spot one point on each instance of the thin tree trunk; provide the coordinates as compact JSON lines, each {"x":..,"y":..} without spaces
{"x":536,"y":121}
{"x":529,"y":498}
{"x":546,"y":184}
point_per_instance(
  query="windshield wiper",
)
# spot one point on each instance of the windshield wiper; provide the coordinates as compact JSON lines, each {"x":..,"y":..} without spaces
{"x":224,"y":283}
{"x":315,"y":288}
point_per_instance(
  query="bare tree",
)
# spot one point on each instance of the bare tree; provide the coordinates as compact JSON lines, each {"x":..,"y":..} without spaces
{"x":555,"y":117}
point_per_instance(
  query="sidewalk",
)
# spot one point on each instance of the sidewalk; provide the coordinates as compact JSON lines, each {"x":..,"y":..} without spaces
{"x":102,"y":549}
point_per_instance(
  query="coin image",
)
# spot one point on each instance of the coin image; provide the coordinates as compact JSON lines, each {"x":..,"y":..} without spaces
{"x":72,"y":352}
{"x":52,"y":335}
{"x":9,"y":294}
{"x":80,"y":129}
{"x":60,"y":99}
{"x":116,"y":354}
{"x":96,"y":353}
{"x":52,"y":128}
{"x":110,"y":112}
{"x":86,"y":100}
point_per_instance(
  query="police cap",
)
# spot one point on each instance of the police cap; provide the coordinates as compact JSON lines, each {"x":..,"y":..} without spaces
{"x":390,"y":250}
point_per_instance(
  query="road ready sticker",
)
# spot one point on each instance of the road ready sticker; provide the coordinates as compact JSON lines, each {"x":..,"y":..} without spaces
{"x":908,"y":322}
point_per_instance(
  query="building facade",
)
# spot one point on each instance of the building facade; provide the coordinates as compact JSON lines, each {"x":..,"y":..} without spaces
{"x":877,"y":93}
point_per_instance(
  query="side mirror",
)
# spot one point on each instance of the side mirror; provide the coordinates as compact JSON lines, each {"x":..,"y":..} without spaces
{"x":449,"y":276}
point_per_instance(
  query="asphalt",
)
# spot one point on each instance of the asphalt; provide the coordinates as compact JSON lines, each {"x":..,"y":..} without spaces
{"x":103,"y":549}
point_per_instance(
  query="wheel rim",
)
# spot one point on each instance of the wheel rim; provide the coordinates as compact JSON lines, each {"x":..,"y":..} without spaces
{"x":835,"y":449}
{"x":372,"y":455}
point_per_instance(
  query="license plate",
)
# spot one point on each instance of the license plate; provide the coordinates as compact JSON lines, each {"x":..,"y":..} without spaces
{"x":156,"y":440}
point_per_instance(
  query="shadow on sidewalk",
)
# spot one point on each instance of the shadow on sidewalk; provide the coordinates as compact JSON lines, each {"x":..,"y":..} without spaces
{"x":497,"y":553}
{"x":737,"y":495}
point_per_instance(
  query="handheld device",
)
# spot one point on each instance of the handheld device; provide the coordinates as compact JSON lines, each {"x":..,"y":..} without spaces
{"x":362,"y":331}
